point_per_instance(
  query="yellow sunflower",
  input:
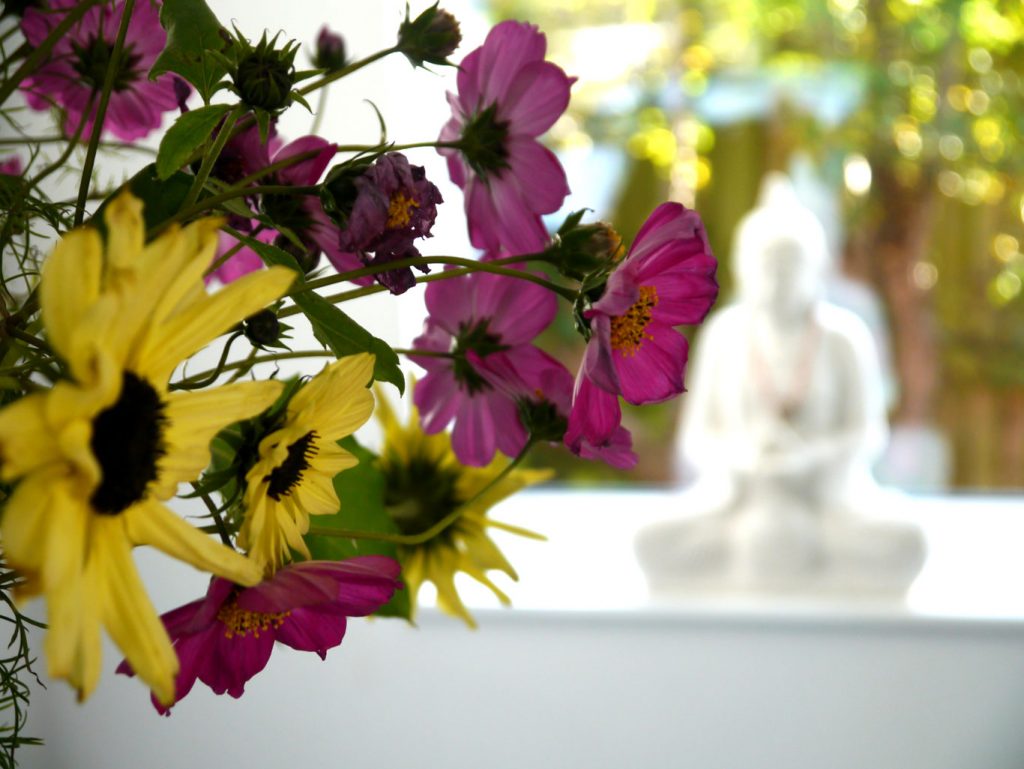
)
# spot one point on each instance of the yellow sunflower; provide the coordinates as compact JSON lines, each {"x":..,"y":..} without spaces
{"x":424,"y":483}
{"x":98,"y":452}
{"x":294,"y":476}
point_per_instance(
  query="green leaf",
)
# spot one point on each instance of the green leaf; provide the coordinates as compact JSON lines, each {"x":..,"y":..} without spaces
{"x":332,"y":327}
{"x":361,"y":492}
{"x":161,"y":198}
{"x":189,"y":133}
{"x":192,"y":29}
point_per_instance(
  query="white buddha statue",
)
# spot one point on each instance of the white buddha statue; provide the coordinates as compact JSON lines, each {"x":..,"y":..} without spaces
{"x":783,"y":421}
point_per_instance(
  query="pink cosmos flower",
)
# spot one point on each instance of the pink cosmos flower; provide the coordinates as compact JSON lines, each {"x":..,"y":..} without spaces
{"x":507,"y":97}
{"x":227,"y":637}
{"x":73,"y":75}
{"x":667,"y":279}
{"x":485,"y":315}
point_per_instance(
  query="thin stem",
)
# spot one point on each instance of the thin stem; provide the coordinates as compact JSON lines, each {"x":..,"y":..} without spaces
{"x":222,"y":529}
{"x":42,"y":51}
{"x":249,"y":362}
{"x":72,"y":143}
{"x":467,"y":265}
{"x":216,"y":371}
{"x":223,"y":258}
{"x":212,"y":153}
{"x":437,"y":528}
{"x":213,"y":201}
{"x":353,"y":67}
{"x":28,"y":338}
{"x":101,"y":109}
{"x":318,"y":117}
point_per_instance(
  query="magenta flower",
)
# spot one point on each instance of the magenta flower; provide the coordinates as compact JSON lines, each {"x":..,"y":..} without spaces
{"x":11,"y":166}
{"x":595,"y":428}
{"x":507,"y":97}
{"x":244,"y":260}
{"x":395,"y":205}
{"x":484,"y":315}
{"x":667,"y":279}
{"x":227,"y":637}
{"x":73,"y":75}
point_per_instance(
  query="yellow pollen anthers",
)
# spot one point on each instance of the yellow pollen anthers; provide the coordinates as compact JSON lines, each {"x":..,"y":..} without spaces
{"x":241,"y":622}
{"x":629,"y":330}
{"x":400,"y":210}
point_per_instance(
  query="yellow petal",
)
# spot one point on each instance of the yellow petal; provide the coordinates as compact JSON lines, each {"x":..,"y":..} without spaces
{"x":331,"y":459}
{"x":126,"y":231}
{"x":25,"y":439}
{"x":194,"y":418}
{"x":69,"y":286}
{"x":151,"y":523}
{"x":197,"y":243}
{"x":186,"y":332}
{"x":316,"y":494}
{"x":127,"y":612}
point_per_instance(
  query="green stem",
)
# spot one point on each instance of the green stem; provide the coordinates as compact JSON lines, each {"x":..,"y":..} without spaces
{"x":467,"y":265}
{"x":216,"y":370}
{"x":437,"y":528}
{"x":353,"y":67}
{"x":421,"y":261}
{"x":101,"y":109}
{"x":211,"y":202}
{"x":321,"y":108}
{"x":59,"y":162}
{"x":42,"y":51}
{"x":212,"y":153}
{"x":423,"y":353}
{"x":239,"y":245}
{"x":249,"y":362}
{"x":222,"y":529}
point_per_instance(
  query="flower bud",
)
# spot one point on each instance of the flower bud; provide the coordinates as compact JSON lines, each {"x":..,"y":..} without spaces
{"x":581,"y":249}
{"x":330,"y":50}
{"x":307,"y":257}
{"x":262,"y":329}
{"x":430,"y":38}
{"x":264,"y":76}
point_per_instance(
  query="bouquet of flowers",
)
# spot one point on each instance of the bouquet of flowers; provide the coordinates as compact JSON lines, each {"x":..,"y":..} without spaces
{"x":229,"y":240}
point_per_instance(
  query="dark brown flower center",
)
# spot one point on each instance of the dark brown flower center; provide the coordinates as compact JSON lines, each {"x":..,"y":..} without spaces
{"x":128,"y":441}
{"x":287,"y":475}
{"x":93,"y":59}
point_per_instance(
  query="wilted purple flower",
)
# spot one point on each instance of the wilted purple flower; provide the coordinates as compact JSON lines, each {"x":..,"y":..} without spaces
{"x":395,"y":205}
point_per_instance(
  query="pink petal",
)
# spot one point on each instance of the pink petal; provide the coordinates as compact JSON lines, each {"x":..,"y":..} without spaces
{"x":669,"y":221}
{"x":508,"y":48}
{"x":474,"y":439}
{"x":313,"y":629}
{"x":307,"y":171}
{"x":518,"y":309}
{"x":654,"y":373}
{"x":536,"y":98}
{"x":231,"y":662}
{"x":595,"y":414}
{"x":598,"y":365}
{"x":537,"y":170}
{"x":438,"y":398}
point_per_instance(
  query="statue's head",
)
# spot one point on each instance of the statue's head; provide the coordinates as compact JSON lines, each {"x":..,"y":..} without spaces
{"x":779,"y":252}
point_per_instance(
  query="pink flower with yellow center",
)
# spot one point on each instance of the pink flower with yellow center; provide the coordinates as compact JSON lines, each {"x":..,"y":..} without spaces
{"x":507,"y":97}
{"x":667,"y":279}
{"x":73,"y":75}
{"x":226,"y":638}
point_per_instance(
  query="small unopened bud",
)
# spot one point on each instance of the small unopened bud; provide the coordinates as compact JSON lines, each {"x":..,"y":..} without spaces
{"x":264,"y":76}
{"x":262,"y":329}
{"x":542,"y":420}
{"x":330,"y":50}
{"x":580,"y":249}
{"x":430,"y":38}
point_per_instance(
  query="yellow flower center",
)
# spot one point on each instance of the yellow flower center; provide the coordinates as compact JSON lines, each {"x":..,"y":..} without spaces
{"x":629,"y":330}
{"x":241,"y":622}
{"x":400,"y":210}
